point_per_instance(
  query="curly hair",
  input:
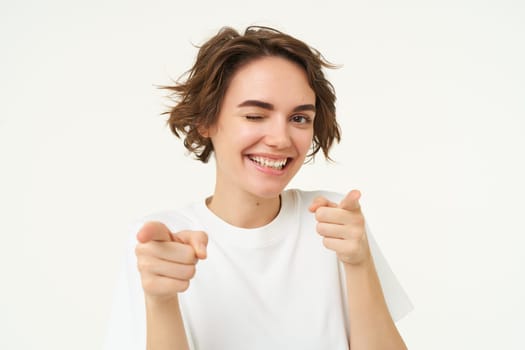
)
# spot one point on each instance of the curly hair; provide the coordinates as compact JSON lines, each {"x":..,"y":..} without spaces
{"x":198,"y":99}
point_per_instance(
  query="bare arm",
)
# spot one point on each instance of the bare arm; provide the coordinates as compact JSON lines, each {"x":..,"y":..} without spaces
{"x":165,"y":329}
{"x":371,"y":326}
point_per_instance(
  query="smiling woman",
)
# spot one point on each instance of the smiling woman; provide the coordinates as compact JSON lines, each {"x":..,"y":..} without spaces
{"x":278,"y":268}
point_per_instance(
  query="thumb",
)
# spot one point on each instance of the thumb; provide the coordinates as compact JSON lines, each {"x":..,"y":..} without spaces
{"x":154,"y":231}
{"x":351,"y":201}
{"x":198,"y":240}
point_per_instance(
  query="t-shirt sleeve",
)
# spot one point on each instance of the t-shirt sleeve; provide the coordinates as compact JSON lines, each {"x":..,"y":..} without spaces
{"x":396,"y":298}
{"x":126,"y":328}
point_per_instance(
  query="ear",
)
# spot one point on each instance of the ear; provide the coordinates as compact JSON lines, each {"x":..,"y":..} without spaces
{"x":207,"y":131}
{"x":203,"y":132}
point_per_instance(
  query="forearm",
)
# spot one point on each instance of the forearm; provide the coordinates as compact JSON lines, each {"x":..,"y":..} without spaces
{"x":371,"y":326}
{"x":165,"y":328}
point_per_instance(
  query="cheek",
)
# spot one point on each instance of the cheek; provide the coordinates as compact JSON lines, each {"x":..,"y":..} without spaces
{"x":303,"y":140}
{"x":241,"y":135}
{"x":247,"y":134}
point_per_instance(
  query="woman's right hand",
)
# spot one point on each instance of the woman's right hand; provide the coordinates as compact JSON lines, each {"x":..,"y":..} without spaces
{"x":166,"y":260}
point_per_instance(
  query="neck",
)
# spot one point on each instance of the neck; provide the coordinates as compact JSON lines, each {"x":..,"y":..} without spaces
{"x":244,"y":210}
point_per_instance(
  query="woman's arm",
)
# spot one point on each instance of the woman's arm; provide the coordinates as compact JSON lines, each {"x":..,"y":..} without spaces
{"x":343,"y":227}
{"x":371,"y":326}
{"x":165,"y":329}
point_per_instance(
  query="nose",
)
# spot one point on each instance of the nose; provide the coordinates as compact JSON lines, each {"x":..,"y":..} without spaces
{"x":278,"y":134}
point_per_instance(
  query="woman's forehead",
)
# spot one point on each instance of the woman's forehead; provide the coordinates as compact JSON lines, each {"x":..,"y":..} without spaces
{"x":271,"y":79}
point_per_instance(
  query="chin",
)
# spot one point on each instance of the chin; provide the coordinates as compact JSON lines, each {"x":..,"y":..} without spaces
{"x":268,"y":192}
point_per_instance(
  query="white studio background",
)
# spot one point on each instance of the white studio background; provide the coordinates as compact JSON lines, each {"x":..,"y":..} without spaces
{"x":431,"y":98}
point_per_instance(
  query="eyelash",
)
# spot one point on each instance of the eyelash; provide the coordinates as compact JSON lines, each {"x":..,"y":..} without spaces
{"x":253,"y":117}
{"x":305,"y":119}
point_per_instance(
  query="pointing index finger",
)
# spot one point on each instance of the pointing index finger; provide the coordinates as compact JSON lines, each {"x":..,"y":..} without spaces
{"x":351,"y":201}
{"x":154,"y":231}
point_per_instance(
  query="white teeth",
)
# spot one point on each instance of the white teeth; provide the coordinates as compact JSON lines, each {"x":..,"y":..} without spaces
{"x":269,"y":163}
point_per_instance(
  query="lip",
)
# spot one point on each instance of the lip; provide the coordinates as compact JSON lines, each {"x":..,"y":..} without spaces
{"x":269,"y":156}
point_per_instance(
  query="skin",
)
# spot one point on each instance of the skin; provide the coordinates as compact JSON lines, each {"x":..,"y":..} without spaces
{"x":268,"y":110}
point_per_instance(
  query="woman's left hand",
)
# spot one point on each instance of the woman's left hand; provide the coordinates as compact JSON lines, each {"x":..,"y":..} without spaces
{"x":343,"y":227}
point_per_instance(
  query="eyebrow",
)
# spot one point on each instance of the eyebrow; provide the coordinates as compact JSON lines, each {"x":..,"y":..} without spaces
{"x":270,"y":107}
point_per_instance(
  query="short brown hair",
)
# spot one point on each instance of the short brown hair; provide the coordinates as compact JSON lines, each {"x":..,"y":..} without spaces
{"x":199,"y":98}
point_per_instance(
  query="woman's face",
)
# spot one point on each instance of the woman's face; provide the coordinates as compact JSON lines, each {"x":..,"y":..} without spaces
{"x":264,"y":129}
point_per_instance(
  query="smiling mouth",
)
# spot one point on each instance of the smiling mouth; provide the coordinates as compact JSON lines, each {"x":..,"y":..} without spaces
{"x":277,"y":164}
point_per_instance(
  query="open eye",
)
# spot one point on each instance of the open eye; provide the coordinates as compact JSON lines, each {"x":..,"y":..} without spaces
{"x":301,"y":119}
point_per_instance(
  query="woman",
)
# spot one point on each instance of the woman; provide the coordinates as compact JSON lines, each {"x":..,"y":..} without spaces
{"x":255,"y":266}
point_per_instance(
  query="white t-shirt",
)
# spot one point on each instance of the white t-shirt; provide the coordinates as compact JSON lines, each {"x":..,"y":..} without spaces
{"x":272,"y":287}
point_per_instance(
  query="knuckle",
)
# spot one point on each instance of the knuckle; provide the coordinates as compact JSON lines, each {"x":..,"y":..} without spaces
{"x":183,"y":254}
{"x":188,"y":255}
{"x":139,"y":249}
{"x":183,"y":285}
{"x":319,"y":213}
{"x":191,"y":271}
{"x":359,"y":220}
{"x":356,"y":233}
{"x":352,"y":247}
{"x":148,"y":284}
{"x":143,"y":265}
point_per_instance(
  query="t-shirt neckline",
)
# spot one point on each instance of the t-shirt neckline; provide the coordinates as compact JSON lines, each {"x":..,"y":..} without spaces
{"x":220,"y":230}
